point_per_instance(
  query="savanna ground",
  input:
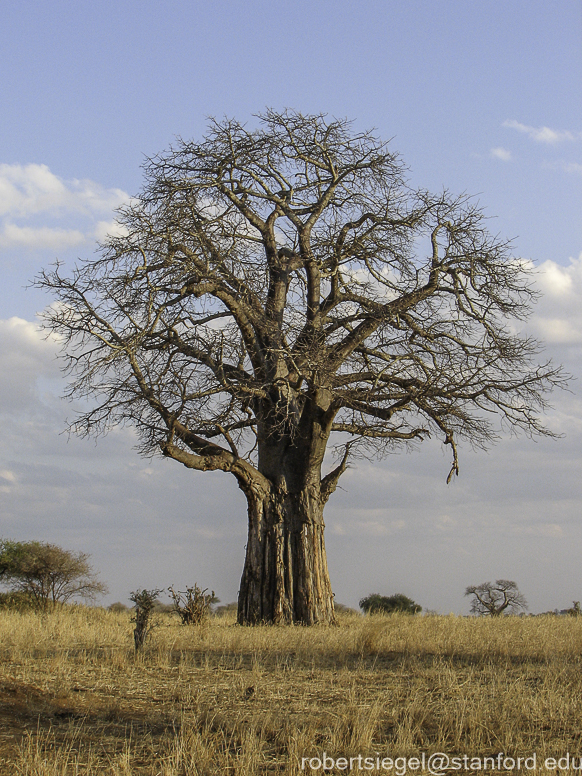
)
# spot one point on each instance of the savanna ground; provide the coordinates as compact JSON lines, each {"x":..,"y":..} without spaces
{"x":222,"y":699}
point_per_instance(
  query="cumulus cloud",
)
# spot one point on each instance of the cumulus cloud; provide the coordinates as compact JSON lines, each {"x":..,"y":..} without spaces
{"x":541,"y":134}
{"x":500,"y":153}
{"x":39,"y":238}
{"x":558,"y":315}
{"x":111,"y":228}
{"x":30,"y":189}
{"x":41,"y":211}
{"x":26,"y":357}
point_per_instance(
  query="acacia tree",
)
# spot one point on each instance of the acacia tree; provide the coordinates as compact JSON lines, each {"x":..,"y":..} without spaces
{"x":496,"y":599}
{"x":47,"y":574}
{"x":276,"y":288}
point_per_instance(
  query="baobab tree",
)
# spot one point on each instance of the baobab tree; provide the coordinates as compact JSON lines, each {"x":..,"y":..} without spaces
{"x":279,"y":290}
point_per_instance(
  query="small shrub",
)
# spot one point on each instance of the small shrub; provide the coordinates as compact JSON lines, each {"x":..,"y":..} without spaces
{"x":193,"y":605}
{"x":389,"y":604}
{"x":144,"y":601}
{"x":574,"y":610}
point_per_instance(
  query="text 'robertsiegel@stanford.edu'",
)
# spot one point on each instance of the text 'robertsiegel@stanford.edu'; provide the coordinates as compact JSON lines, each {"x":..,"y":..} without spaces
{"x":439,"y":764}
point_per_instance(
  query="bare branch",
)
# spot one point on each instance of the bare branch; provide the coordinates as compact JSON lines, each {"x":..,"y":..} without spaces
{"x":276,"y":285}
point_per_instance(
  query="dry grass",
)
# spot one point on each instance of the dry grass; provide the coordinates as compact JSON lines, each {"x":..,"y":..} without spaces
{"x":223,"y":699}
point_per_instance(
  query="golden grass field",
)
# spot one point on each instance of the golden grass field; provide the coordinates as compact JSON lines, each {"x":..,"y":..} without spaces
{"x":221,"y":699}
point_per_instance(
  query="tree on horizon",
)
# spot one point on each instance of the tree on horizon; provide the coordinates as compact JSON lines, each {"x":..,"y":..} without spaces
{"x":495,"y":599}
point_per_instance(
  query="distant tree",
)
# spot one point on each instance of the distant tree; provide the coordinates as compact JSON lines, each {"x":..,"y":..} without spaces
{"x":389,"y":604}
{"x":574,"y":610}
{"x":496,"y":599}
{"x":144,"y":605}
{"x":163,"y":607}
{"x":343,"y":609}
{"x":274,"y":289}
{"x":226,"y":609}
{"x":118,"y":607}
{"x":47,"y":574}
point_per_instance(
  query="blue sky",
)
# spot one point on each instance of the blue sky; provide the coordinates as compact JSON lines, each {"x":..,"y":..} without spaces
{"x":484,"y":98}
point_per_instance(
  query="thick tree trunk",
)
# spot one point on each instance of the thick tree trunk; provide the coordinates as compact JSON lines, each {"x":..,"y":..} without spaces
{"x":285,"y":577}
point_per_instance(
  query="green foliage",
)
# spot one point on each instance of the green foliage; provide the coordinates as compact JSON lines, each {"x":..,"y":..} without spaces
{"x":389,"y":604}
{"x":193,"y":605}
{"x":12,"y":556}
{"x":46,"y":574}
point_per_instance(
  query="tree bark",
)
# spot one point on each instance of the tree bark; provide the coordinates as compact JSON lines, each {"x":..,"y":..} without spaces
{"x":285,"y":577}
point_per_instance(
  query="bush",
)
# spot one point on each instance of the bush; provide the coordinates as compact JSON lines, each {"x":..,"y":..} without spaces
{"x":144,"y":601}
{"x":389,"y":604}
{"x":193,"y":605}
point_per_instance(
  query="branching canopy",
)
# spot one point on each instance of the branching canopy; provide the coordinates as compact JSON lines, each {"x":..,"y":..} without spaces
{"x":47,"y":574}
{"x":503,"y":597}
{"x":266,"y":277}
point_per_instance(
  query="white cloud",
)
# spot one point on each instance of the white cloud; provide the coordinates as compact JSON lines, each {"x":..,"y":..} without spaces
{"x":38,"y":238}
{"x":541,"y":134}
{"x":30,"y":189}
{"x":26,"y":357}
{"x":558,"y":315}
{"x":500,"y":153}
{"x":111,"y":228}
{"x":40,"y":211}
{"x":558,"y":330}
{"x":557,"y":281}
